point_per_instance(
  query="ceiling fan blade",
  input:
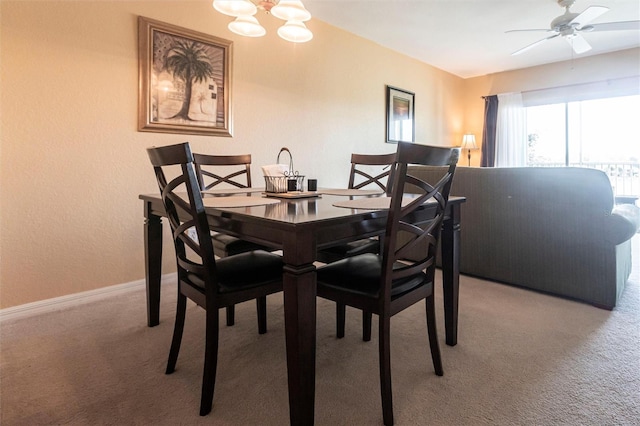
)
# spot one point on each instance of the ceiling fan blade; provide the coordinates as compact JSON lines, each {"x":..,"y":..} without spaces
{"x":589,"y":14}
{"x":578,"y":43}
{"x":533,"y":29}
{"x":616,"y":26}
{"x":532,"y":45}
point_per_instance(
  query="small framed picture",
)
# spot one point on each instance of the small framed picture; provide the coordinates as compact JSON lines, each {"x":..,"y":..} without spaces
{"x":401,"y":123}
{"x":184,"y":80}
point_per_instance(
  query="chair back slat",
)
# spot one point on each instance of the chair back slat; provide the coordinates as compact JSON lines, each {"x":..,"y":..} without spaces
{"x":362,"y":166}
{"x":209,"y":178}
{"x":400,"y":218}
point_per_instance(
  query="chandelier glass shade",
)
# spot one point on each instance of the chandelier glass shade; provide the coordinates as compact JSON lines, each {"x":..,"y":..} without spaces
{"x":246,"y":24}
{"x":235,"y":7}
{"x":288,"y":10}
{"x":295,"y":32}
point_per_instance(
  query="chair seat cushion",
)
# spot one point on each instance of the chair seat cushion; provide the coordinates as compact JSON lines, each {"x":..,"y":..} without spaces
{"x":245,"y":270}
{"x":350,"y":249}
{"x":225,"y":245}
{"x":361,"y":275}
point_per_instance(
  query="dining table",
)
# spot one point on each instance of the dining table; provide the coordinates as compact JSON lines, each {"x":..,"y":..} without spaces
{"x":299,"y":225}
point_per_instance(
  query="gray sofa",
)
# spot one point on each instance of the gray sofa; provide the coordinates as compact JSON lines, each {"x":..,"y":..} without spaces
{"x":554,"y":230}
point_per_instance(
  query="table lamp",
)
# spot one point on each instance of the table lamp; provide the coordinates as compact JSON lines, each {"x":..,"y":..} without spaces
{"x":469,"y":143}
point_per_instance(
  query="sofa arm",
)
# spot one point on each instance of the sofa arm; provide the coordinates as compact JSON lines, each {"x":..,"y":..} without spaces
{"x":625,"y":220}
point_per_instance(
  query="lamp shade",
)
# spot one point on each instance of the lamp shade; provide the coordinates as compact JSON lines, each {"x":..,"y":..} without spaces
{"x":469,"y":141}
{"x":235,"y":7}
{"x":295,"y":31}
{"x":291,"y":10}
{"x":248,"y":26}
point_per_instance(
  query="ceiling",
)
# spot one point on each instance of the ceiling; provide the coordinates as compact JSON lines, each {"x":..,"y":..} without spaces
{"x":467,"y":37}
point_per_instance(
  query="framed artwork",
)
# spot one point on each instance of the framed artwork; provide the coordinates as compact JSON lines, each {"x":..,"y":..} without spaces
{"x":401,"y":123}
{"x":184,"y":80}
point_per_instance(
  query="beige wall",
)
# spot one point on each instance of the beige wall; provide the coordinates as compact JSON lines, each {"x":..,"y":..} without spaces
{"x":625,"y":63}
{"x":73,"y":164}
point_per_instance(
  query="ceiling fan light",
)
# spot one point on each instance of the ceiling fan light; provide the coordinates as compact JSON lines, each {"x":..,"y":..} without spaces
{"x":291,"y":10}
{"x":295,"y":32}
{"x":235,"y":7}
{"x":248,"y":26}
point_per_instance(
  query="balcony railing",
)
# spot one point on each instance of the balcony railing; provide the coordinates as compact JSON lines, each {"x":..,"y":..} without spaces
{"x":624,"y":176}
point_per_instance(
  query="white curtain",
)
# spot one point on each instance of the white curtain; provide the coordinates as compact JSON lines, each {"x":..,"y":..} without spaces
{"x":511,"y":131}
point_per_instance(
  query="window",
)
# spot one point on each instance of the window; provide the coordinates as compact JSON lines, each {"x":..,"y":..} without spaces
{"x":599,"y":133}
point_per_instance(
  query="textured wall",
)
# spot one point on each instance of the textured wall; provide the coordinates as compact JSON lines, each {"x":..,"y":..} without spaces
{"x":73,"y":164}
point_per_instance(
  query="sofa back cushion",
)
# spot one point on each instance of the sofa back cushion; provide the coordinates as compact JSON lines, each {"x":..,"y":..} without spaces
{"x":544,"y":228}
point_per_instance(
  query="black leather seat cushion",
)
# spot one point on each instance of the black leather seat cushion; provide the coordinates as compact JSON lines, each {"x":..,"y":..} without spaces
{"x":353,"y":248}
{"x":361,"y":275}
{"x":245,"y":270}
{"x":226,"y":245}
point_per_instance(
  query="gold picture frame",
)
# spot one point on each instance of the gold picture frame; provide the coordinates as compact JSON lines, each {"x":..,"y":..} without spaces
{"x":401,"y":122}
{"x":184,"y":79}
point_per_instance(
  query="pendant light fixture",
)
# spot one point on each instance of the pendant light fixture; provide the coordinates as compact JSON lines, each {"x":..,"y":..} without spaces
{"x":246,"y":24}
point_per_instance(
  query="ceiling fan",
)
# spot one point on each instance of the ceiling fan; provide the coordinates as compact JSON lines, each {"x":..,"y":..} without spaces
{"x":569,"y":26}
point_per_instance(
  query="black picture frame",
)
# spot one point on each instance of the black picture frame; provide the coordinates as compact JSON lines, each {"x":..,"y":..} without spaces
{"x":400,"y":109}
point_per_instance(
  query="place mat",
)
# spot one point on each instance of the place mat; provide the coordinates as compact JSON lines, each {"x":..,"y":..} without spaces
{"x":373,"y":203}
{"x":232,"y":191}
{"x":350,"y":192}
{"x":225,"y":202}
{"x":294,"y":194}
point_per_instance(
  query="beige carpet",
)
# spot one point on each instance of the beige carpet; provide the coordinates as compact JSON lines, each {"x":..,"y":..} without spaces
{"x":523,"y":358}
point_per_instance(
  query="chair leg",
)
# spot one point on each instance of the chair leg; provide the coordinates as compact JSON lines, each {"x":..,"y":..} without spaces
{"x":433,"y":335}
{"x":210,"y":361}
{"x":366,"y":326}
{"x":340,"y":319}
{"x":178,"y":328}
{"x":385,"y":368}
{"x":231,"y":315}
{"x":261,"y":304}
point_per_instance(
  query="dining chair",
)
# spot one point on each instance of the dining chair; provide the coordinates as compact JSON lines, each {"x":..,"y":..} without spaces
{"x":387,"y":283}
{"x":367,"y":170}
{"x":237,"y":174}
{"x":212,"y":284}
{"x":216,"y":172}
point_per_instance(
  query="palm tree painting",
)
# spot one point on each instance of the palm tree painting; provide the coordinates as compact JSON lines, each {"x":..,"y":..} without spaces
{"x":187,"y":61}
{"x":188,"y":88}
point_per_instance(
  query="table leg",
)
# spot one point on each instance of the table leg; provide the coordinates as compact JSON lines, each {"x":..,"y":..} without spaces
{"x":300,"y":328}
{"x":153,"y":263}
{"x":450,"y":246}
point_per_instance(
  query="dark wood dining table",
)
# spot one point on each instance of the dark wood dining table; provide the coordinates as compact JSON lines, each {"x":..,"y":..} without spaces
{"x":299,"y":227}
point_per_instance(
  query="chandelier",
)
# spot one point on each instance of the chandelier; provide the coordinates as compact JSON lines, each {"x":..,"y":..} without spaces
{"x":246,"y":24}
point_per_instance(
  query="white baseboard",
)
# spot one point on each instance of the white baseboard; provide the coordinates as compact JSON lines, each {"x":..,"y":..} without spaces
{"x":57,"y":303}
